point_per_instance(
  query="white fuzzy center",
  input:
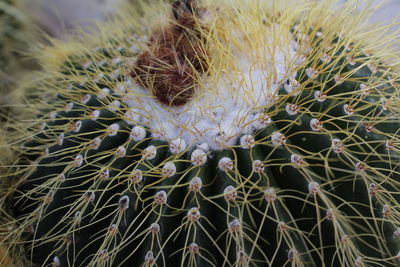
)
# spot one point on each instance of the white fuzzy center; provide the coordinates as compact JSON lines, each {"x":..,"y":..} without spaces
{"x":225,"y":109}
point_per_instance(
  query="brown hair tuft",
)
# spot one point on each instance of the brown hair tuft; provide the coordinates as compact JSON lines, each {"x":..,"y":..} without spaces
{"x":176,"y":52}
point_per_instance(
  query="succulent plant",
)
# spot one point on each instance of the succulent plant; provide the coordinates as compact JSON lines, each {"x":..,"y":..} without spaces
{"x":233,"y":133}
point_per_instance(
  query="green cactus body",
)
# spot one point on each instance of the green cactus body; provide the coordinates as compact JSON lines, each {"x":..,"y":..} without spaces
{"x":306,"y":175}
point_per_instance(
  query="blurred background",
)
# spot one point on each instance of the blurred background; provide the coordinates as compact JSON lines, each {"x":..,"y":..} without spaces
{"x":388,"y":12}
{"x":60,"y":16}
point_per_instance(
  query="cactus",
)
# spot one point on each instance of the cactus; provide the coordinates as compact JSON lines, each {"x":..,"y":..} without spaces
{"x":233,"y":133}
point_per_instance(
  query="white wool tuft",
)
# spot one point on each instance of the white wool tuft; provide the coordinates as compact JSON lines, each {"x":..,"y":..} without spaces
{"x":230,"y":109}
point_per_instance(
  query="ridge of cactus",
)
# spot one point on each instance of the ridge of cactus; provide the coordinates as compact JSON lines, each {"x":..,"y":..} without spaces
{"x":201,"y":133}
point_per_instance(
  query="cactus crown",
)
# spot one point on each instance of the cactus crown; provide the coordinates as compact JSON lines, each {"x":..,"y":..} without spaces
{"x":229,"y":134}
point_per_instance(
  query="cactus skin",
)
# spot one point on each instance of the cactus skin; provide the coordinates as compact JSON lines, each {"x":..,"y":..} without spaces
{"x":315,"y":185}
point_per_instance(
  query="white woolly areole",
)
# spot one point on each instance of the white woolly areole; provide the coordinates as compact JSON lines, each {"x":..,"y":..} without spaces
{"x":258,"y":166}
{"x":225,"y":164}
{"x":386,"y":210}
{"x":234,"y":226}
{"x":137,"y":134}
{"x":77,"y":217}
{"x":312,"y":73}
{"x":359,"y":262}
{"x":389,"y":145}
{"x":278,"y":139}
{"x":113,"y":129}
{"x":69,"y":106}
{"x":77,"y":126}
{"x":195,"y":184}
{"x":123,"y":203}
{"x":194,"y":248}
{"x":291,"y":85}
{"x":85,"y":99}
{"x":56,"y":261}
{"x":360,"y":167}
{"x":230,"y":193}
{"x":150,"y":152}
{"x":169,"y":169}
{"x":136,"y":176}
{"x":315,"y":125}
{"x":396,"y":234}
{"x":149,"y":258}
{"x":348,"y":109}
{"x":160,"y":198}
{"x":270,"y":194}
{"x":60,"y":139}
{"x":330,"y":215}
{"x":293,"y":255}
{"x":261,"y":120}
{"x":297,"y":161}
{"x":198,"y":157}
{"x":193,"y":215}
{"x":120,"y":152}
{"x":292,"y":109}
{"x":320,"y":96}
{"x":228,"y":107}
{"x":104,"y":174}
{"x":95,"y":143}
{"x":78,"y":161}
{"x":94,"y":115}
{"x":154,"y":228}
{"x":177,"y":146}
{"x":103,"y":93}
{"x":337,"y":146}
{"x":247,"y":141}
{"x":314,"y":188}
{"x":373,"y":189}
